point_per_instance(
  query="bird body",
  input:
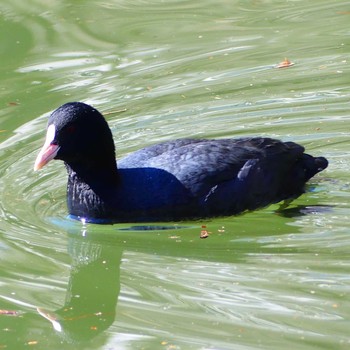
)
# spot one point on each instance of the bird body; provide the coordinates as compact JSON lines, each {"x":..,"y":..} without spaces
{"x":170,"y":181}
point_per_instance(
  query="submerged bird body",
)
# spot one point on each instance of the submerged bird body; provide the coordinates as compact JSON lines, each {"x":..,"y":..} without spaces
{"x":175,"y":180}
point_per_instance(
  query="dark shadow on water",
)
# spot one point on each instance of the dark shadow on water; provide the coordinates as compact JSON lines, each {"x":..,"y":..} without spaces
{"x":302,"y":210}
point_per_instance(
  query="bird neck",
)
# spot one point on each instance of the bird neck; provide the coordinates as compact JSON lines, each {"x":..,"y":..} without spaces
{"x":94,"y":174}
{"x":89,"y":193}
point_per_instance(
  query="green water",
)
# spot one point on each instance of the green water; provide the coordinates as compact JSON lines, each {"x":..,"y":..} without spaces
{"x":161,"y":70}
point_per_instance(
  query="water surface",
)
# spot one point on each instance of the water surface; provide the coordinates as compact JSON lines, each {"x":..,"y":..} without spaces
{"x":158,"y":71}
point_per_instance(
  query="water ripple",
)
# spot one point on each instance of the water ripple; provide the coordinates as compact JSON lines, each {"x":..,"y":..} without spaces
{"x":182,"y":69}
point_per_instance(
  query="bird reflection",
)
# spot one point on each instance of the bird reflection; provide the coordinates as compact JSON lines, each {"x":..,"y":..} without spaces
{"x":93,"y":290}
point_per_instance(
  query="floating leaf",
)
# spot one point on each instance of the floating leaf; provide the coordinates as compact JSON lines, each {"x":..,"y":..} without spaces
{"x":285,"y":64}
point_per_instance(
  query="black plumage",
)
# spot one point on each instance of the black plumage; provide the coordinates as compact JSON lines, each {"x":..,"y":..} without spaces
{"x":175,"y":180}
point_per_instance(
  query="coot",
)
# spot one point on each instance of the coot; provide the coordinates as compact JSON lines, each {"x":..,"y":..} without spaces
{"x":175,"y":180}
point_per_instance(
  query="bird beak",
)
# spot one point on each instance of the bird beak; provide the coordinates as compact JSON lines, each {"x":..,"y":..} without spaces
{"x":48,"y":151}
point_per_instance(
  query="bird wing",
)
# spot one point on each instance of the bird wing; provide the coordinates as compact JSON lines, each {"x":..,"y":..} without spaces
{"x":201,"y":164}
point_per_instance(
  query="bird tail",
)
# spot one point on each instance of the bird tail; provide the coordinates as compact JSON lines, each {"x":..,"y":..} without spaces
{"x":313,"y":165}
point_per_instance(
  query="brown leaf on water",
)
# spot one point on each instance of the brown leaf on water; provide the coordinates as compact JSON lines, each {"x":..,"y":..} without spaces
{"x":204,"y":233}
{"x":12,"y":103}
{"x":285,"y":64}
{"x":115,"y":111}
{"x":9,"y":312}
